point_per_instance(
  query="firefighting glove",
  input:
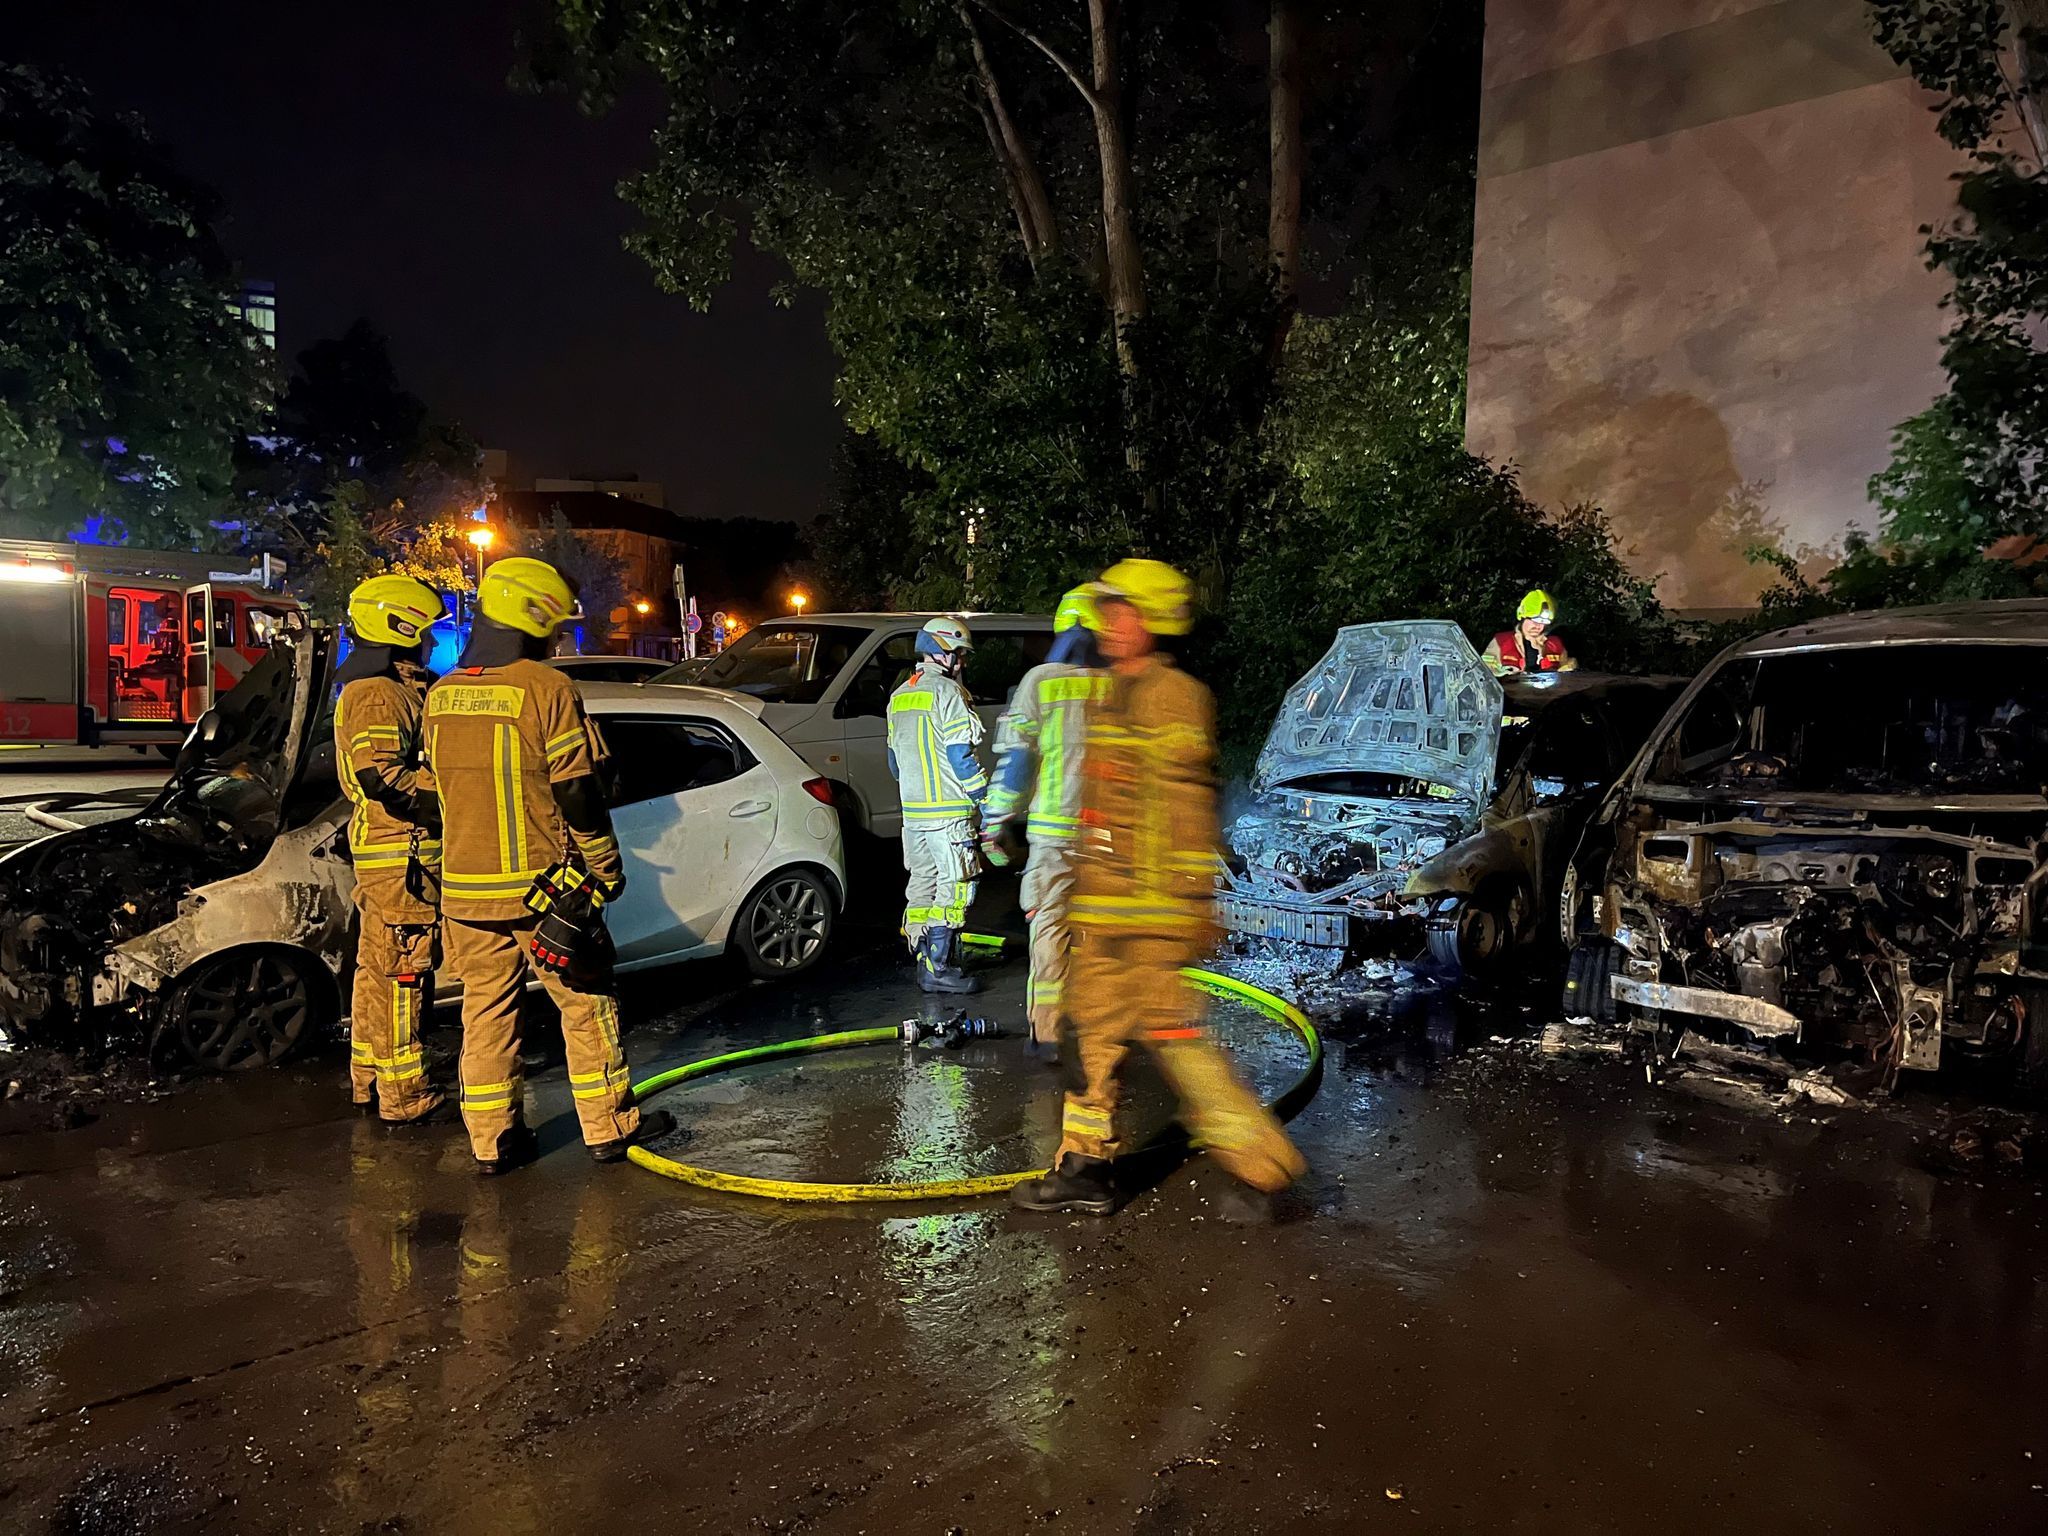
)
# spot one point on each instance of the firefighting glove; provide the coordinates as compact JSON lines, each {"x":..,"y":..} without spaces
{"x":1000,"y":845}
{"x":580,"y":953}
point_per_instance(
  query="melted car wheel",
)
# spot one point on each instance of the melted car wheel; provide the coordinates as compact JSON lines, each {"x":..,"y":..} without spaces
{"x":247,"y":1008}
{"x":1478,"y":936}
{"x":785,"y":925}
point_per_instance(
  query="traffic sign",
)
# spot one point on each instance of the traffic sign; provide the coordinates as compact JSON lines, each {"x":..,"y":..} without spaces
{"x":693,"y":623}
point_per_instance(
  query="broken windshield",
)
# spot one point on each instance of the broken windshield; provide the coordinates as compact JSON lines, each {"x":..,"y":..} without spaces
{"x":1884,"y":720}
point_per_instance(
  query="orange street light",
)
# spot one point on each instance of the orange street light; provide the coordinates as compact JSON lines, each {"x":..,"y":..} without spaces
{"x":641,"y":605}
{"x":797,"y":601}
{"x":481,"y":537}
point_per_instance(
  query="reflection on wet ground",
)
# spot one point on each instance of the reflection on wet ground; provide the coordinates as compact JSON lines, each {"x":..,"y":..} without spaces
{"x":1530,"y":1294}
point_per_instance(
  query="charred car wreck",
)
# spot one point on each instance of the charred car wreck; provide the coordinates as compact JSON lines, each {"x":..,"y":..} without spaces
{"x":1410,"y":804}
{"x":1835,"y":840}
{"x":211,"y":922}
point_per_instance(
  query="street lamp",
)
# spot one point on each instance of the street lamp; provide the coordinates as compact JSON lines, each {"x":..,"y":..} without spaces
{"x":480,"y":540}
{"x":797,"y":601}
{"x":642,"y":606}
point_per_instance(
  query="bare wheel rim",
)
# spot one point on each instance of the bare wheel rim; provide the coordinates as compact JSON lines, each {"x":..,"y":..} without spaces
{"x":788,"y":924}
{"x":244,"y":1011}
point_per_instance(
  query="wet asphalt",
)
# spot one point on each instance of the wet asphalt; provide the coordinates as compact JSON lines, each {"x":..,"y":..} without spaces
{"x":1520,"y":1293}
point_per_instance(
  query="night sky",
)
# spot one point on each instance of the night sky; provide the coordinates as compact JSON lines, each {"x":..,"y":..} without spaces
{"x":373,"y":162}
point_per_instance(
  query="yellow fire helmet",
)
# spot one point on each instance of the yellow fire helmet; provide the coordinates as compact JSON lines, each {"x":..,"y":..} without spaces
{"x":1076,"y":608}
{"x":527,"y":595}
{"x":1163,"y":597}
{"x":394,"y":610}
{"x":1536,"y":604}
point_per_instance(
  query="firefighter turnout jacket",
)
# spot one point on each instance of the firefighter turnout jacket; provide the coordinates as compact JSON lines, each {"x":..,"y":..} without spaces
{"x":1043,"y":729}
{"x":378,"y":751}
{"x":1146,"y":860}
{"x":933,"y":731}
{"x":498,"y":741}
{"x":1507,"y":652}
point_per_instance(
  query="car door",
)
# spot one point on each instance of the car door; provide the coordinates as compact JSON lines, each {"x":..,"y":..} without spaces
{"x":1570,"y":761}
{"x":695,"y":813}
{"x":862,"y":709}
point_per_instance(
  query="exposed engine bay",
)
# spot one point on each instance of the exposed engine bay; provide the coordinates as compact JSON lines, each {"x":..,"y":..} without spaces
{"x":1412,"y":808}
{"x":1380,"y":759}
{"x":1839,"y":848}
{"x":103,"y":928}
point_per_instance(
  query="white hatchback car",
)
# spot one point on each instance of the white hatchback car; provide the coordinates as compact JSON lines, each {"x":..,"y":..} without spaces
{"x":730,"y":839}
{"x":822,"y":683}
{"x":216,"y":923}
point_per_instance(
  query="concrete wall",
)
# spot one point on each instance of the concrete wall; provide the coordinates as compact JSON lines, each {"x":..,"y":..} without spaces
{"x":1698,"y":296}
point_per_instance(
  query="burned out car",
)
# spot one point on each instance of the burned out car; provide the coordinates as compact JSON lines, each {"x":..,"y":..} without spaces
{"x":211,"y":923}
{"x":1835,"y":840}
{"x":1409,"y":803}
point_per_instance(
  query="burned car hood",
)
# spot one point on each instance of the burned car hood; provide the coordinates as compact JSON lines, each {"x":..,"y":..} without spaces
{"x":1409,"y":697}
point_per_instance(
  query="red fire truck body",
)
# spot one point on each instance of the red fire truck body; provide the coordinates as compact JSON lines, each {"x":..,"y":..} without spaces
{"x":102,"y":646}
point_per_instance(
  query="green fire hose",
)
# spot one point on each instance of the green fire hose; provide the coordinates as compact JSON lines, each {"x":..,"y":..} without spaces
{"x":1286,"y":1106}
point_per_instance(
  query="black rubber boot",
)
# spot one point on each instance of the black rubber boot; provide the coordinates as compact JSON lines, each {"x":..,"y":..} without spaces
{"x":441,"y":1112}
{"x":938,"y":965}
{"x":516,"y":1148}
{"x":1079,"y":1183}
{"x":652,"y":1128}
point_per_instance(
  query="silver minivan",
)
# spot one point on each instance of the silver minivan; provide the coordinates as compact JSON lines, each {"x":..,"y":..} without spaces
{"x":824,"y":681}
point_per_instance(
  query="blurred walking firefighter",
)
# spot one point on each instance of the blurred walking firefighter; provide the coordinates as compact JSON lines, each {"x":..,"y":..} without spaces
{"x":1144,"y":906}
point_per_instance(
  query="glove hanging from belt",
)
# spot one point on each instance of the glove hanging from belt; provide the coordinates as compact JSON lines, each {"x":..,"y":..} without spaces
{"x":570,"y":939}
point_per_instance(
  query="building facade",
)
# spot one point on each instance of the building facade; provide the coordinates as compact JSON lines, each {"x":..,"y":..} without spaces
{"x":646,"y":541}
{"x":1699,"y":298}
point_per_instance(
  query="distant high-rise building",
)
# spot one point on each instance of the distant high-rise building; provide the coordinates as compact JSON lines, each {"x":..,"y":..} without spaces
{"x":258,"y":306}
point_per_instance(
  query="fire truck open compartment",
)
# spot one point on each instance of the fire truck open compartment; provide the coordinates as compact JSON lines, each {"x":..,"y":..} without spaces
{"x":110,"y":645}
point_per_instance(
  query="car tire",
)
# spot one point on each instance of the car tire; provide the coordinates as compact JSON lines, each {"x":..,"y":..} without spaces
{"x":783,"y":928}
{"x":1587,"y":977}
{"x":247,"y":1008}
{"x":1480,"y":935}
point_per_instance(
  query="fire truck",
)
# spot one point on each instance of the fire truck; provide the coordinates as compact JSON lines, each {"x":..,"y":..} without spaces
{"x":105,"y":646}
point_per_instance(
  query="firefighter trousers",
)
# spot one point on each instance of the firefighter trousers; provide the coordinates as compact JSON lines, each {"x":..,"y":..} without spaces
{"x":394,"y":968}
{"x":1047,"y":887}
{"x":941,"y":861}
{"x":489,"y":960}
{"x":1125,"y":991}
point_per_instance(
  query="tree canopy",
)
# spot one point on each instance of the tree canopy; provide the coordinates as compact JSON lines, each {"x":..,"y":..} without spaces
{"x":1109,"y":277}
{"x":126,"y":377}
{"x":1967,"y":473}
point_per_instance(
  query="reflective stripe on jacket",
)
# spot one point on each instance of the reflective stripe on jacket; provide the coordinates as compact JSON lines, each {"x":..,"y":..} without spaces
{"x":1038,"y":751}
{"x":1504,"y":654}
{"x":377,"y":735}
{"x":933,"y":731}
{"x":498,"y":740}
{"x":1146,"y":862}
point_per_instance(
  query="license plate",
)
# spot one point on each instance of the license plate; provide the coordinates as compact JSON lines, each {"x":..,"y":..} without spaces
{"x":1326,"y":930}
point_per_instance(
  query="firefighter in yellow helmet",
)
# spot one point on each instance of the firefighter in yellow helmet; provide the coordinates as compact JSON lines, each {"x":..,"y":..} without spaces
{"x":394,"y":842}
{"x":529,"y":861}
{"x":1530,"y":646}
{"x":1144,"y":906}
{"x":1038,"y":782}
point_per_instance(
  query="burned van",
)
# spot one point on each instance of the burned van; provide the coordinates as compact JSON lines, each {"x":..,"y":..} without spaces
{"x":1834,"y":841}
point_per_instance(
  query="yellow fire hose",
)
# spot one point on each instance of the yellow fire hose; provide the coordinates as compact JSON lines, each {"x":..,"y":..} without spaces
{"x":1286,"y":1106}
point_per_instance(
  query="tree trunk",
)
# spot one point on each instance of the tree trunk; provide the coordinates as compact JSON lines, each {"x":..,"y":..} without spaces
{"x":1026,"y":187}
{"x":1283,"y":215}
{"x":2030,"y":48}
{"x":1122,"y":256}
